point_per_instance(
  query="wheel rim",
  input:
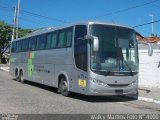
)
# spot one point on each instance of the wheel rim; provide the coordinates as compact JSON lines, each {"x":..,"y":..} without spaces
{"x":64,"y":86}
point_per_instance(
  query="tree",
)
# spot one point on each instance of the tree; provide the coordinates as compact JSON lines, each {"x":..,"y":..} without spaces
{"x":24,"y":32}
{"x":5,"y":37}
{"x":153,"y":35}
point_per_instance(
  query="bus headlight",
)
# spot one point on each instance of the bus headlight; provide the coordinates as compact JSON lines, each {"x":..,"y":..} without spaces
{"x":98,"y":82}
{"x":133,"y":83}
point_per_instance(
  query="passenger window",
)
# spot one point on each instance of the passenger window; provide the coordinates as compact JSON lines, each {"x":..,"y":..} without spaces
{"x":61,"y":39}
{"x":54,"y":40}
{"x":32,"y":44}
{"x":14,"y":46}
{"x":65,"y":38}
{"x":49,"y":40}
{"x":19,"y":46}
{"x":41,"y":42}
{"x":25,"y":45}
{"x":68,"y":37}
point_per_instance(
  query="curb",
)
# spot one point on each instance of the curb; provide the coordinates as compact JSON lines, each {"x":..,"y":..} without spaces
{"x":149,"y":100}
{"x":4,"y":69}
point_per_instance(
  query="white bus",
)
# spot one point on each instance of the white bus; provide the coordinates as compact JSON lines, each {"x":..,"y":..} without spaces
{"x":91,"y":58}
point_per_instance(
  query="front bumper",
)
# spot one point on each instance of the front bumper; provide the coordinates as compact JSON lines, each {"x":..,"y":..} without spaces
{"x":99,"y":90}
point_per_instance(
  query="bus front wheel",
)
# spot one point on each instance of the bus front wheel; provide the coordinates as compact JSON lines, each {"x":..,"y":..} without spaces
{"x":63,"y":87}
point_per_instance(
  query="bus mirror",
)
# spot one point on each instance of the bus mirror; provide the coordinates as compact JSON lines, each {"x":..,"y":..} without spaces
{"x":150,"y":49}
{"x":95,"y":44}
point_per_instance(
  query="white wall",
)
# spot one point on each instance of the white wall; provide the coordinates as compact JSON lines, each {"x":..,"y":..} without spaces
{"x":149,"y":69}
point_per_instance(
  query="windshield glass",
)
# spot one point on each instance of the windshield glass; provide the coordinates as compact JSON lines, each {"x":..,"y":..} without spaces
{"x":117,"y":50}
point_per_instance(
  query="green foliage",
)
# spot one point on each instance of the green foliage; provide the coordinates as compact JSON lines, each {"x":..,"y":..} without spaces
{"x":5,"y":36}
{"x":153,"y":35}
{"x":24,"y":32}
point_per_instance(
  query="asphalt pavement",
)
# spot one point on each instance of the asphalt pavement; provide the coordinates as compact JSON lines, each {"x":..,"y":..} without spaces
{"x":147,"y":94}
{"x":4,"y":67}
{"x":32,"y":98}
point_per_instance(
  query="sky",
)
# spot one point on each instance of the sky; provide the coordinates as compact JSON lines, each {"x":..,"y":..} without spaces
{"x":62,"y":12}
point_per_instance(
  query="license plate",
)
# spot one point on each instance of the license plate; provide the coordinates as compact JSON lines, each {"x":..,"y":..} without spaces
{"x":119,"y":91}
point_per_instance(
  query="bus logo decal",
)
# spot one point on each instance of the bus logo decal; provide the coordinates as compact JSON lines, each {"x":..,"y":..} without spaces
{"x":82,"y":83}
{"x":30,"y":64}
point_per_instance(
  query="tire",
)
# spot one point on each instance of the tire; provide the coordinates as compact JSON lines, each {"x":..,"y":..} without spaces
{"x":21,"y":78}
{"x":16,"y":75}
{"x":133,"y":96}
{"x":17,"y":78}
{"x":63,"y":87}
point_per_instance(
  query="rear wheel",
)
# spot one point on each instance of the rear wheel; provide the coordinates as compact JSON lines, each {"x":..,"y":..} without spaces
{"x":21,"y":78}
{"x":63,"y":87}
{"x":16,"y":75}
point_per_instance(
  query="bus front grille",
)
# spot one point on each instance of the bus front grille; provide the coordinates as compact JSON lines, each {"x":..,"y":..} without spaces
{"x":118,"y":85}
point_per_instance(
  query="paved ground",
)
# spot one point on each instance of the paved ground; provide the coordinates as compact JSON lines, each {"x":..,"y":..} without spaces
{"x":31,"y":98}
{"x":4,"y":67}
{"x":146,"y":94}
{"x":149,"y":94}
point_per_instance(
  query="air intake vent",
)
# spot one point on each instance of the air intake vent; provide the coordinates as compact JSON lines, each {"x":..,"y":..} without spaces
{"x":118,"y":85}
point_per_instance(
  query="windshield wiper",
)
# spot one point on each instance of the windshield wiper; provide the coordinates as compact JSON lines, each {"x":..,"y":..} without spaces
{"x":123,"y":60}
{"x":131,"y":72}
{"x":105,"y":73}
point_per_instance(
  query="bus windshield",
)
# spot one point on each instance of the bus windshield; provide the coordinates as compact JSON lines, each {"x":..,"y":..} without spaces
{"x":118,"y":52}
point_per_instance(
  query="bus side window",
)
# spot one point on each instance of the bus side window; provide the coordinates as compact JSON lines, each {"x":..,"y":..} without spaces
{"x":65,"y":37}
{"x":61,"y":39}
{"x":25,"y":45}
{"x":54,"y":40}
{"x":40,"y":42}
{"x":32,"y":43}
{"x":29,"y":46}
{"x":19,"y":46}
{"x":14,"y":44}
{"x":68,"y":38}
{"x":48,"y":42}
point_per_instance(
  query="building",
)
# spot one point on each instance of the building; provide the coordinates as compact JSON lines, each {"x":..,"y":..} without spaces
{"x":149,"y":66}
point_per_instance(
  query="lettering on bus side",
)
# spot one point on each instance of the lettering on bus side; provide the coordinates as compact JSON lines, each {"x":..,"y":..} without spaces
{"x":30,"y":64}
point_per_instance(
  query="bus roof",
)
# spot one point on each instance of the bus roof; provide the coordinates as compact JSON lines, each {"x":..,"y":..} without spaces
{"x":50,"y":29}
